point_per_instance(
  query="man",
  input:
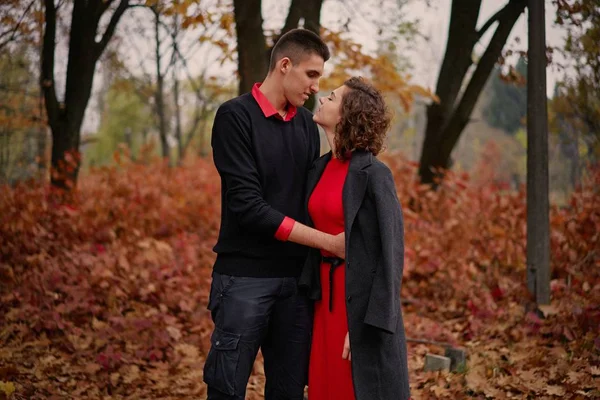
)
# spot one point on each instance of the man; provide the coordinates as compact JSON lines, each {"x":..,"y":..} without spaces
{"x":264,"y":143}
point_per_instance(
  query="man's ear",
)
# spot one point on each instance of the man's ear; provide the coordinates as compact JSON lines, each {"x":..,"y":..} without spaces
{"x":285,"y":64}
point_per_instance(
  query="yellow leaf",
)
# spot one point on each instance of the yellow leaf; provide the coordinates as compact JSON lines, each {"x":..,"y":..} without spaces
{"x":8,"y":388}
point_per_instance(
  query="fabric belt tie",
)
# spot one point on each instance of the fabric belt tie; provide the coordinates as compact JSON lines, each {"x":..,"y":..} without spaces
{"x":333,"y":262}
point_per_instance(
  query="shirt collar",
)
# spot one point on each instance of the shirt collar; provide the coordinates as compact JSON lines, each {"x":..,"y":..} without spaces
{"x":268,"y":109}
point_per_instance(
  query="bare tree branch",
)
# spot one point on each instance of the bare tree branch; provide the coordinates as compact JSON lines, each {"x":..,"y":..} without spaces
{"x":460,"y":116}
{"x":196,"y":89}
{"x":47,"y":73}
{"x":110,"y":29}
{"x":13,"y":32}
{"x":494,"y":18}
{"x":293,"y":17}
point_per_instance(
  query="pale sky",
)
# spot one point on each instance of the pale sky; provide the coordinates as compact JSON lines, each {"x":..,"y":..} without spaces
{"x":365,"y":20}
{"x":436,"y":19}
{"x":426,"y":56}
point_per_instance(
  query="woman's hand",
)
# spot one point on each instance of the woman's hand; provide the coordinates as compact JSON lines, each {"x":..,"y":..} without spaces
{"x":337,"y":245}
{"x":346,"y":353}
{"x":307,"y":236}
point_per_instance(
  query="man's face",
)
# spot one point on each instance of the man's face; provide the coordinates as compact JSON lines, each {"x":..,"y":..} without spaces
{"x":302,"y":80}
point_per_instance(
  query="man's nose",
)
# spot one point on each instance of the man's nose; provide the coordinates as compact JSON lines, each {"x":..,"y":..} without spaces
{"x":314,"y":87}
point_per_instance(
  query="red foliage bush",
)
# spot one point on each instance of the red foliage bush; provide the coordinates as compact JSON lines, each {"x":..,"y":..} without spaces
{"x":115,"y":282}
{"x":466,"y":244}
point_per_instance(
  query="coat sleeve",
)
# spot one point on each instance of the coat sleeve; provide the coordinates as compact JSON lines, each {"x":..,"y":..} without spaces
{"x":383,"y":308}
{"x":233,"y":157}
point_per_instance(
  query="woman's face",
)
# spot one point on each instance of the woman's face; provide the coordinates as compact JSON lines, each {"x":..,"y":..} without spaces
{"x":329,"y":113}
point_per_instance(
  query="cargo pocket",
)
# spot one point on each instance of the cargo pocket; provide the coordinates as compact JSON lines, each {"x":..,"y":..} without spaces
{"x":218,"y":289}
{"x":222,"y":361}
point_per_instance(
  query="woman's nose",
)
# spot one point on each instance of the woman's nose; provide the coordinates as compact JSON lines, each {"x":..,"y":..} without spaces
{"x":321,"y":100}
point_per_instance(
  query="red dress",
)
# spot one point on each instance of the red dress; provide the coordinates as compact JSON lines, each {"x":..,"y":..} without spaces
{"x":329,"y":375}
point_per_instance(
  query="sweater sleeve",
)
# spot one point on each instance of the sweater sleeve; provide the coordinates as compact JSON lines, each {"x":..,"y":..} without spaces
{"x":234,"y":160}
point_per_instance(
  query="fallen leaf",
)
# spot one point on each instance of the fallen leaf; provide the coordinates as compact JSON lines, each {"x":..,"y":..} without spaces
{"x":8,"y":388}
{"x":548,"y":310}
{"x":174,"y":332}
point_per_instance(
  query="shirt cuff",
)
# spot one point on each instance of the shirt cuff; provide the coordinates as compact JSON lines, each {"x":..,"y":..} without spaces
{"x":285,"y":229}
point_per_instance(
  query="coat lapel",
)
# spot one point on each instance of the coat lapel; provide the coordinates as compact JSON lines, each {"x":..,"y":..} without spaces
{"x":314,"y":174}
{"x":355,"y":187}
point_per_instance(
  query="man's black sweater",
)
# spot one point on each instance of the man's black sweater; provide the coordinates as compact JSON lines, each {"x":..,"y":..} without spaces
{"x":263,"y":163}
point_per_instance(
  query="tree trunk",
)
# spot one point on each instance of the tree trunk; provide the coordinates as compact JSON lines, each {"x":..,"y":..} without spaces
{"x":42,"y":141}
{"x":575,"y":161}
{"x":538,"y":207}
{"x":462,"y":113}
{"x":65,"y":118}
{"x":65,"y":161}
{"x":42,"y":160}
{"x":447,"y":119}
{"x":309,"y":10}
{"x":5,"y":134}
{"x":176,"y":94}
{"x":251,"y":43}
{"x":462,"y":37}
{"x":159,"y":101}
{"x":178,"y":134}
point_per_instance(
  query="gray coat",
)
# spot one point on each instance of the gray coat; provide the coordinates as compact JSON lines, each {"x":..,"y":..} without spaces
{"x":374,"y":263}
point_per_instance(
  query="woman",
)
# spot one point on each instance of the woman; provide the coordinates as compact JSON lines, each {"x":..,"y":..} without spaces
{"x":358,"y":345}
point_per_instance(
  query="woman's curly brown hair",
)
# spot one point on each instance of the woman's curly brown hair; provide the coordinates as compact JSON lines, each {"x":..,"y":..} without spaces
{"x":365,"y":119}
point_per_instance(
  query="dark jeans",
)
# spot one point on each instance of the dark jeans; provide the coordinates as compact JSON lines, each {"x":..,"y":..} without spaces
{"x":258,"y":312}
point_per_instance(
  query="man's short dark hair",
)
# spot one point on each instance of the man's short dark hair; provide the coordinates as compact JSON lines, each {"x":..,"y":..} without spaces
{"x":297,"y":44}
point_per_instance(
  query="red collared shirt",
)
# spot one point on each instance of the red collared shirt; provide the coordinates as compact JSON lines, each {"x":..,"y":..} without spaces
{"x":268,"y":109}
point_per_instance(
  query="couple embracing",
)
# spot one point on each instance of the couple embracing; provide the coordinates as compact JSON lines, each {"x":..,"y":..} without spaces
{"x":310,"y":249}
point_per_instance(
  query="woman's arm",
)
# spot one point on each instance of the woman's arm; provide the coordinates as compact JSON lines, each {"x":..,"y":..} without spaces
{"x":310,"y":237}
